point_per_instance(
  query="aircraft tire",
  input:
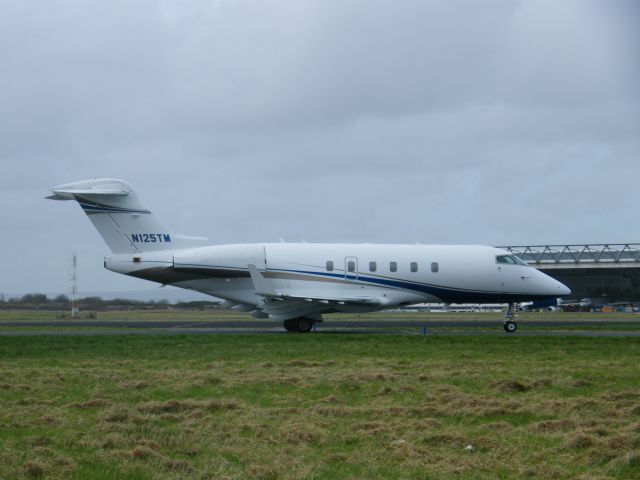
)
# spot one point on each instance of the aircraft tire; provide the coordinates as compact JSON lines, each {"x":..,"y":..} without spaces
{"x":304,"y":324}
{"x":510,"y":326}
{"x":291,"y":325}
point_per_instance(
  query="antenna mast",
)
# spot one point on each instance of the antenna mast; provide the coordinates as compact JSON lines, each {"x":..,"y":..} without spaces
{"x":74,"y":287}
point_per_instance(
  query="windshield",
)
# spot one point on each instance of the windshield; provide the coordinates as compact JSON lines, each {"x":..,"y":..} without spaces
{"x":510,"y":260}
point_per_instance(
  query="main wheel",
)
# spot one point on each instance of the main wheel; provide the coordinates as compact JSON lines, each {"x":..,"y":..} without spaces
{"x":304,"y":324}
{"x":510,"y":326}
{"x":291,"y":325}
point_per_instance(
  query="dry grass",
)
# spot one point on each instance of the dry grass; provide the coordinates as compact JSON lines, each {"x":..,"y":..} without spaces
{"x":290,"y":407}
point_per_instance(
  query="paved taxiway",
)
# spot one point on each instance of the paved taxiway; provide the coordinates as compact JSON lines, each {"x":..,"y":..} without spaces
{"x":609,"y":328}
{"x":268,"y":324}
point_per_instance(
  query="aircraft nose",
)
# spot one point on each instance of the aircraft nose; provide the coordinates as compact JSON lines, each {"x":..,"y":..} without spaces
{"x":552,"y":287}
{"x":561,"y":289}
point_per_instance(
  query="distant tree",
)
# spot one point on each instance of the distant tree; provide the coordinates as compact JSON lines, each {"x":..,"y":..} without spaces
{"x":92,"y":301}
{"x":61,"y":299}
{"x":198,"y":304}
{"x":34,"y":298}
{"x":124,"y":302}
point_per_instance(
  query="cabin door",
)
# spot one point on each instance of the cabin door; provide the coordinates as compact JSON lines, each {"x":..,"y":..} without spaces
{"x":351,"y":267}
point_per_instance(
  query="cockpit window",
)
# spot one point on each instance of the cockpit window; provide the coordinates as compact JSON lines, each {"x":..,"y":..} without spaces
{"x":505,"y":259}
{"x":510,"y":260}
{"x":519,"y":261}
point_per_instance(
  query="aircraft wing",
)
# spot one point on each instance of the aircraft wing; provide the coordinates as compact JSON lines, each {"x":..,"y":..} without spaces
{"x":284,"y":304}
{"x":329,"y":300}
{"x":286,"y":307}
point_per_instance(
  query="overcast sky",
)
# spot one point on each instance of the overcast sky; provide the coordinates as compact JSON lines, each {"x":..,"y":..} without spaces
{"x":493,"y":122}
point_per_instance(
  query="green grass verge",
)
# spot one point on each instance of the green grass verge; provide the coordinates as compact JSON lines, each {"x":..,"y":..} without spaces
{"x":319,"y":406}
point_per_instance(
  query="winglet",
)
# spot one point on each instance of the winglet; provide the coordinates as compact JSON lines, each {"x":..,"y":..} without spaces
{"x":260,"y":283}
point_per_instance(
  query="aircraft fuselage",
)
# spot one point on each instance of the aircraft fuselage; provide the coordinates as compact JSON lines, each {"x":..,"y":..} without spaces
{"x":382,"y":275}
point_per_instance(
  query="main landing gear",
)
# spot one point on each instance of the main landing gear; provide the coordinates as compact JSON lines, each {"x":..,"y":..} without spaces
{"x":509,"y":325}
{"x":301,"y":324}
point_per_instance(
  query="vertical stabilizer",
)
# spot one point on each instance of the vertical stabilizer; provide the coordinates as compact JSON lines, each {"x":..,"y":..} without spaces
{"x":125,"y":224}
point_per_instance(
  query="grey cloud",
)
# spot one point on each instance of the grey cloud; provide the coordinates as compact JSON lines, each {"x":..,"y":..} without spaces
{"x":392,"y":121}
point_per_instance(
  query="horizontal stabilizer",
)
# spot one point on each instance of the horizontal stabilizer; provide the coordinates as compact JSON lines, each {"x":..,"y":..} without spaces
{"x":70,"y":194}
{"x":102,"y":188}
{"x":57,"y":196}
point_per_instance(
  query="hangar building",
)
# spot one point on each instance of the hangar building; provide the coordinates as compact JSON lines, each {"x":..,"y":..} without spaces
{"x":609,"y":272}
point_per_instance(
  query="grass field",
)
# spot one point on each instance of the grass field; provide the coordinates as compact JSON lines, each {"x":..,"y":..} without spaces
{"x":319,"y":406}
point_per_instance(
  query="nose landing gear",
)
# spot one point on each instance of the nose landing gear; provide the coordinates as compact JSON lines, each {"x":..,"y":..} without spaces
{"x":510,"y":326}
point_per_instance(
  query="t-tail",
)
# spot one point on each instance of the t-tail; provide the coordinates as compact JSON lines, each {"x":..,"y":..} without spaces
{"x":125,"y":224}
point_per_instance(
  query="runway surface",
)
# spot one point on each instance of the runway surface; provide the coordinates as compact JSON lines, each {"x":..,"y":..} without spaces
{"x":589,"y":328}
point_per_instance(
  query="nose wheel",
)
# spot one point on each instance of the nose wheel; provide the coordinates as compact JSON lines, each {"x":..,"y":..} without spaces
{"x":510,"y":326}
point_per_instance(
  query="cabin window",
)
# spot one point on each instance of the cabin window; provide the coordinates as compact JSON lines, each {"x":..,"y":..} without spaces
{"x":414,"y":267}
{"x":434,"y":267}
{"x":329,"y":266}
{"x":351,"y":266}
{"x":393,"y":266}
{"x":372,"y":266}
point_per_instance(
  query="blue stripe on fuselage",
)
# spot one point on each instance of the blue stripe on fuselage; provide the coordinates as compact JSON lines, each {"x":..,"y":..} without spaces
{"x":446,"y":294}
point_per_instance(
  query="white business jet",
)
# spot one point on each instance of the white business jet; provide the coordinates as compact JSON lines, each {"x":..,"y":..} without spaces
{"x":298,"y":282}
